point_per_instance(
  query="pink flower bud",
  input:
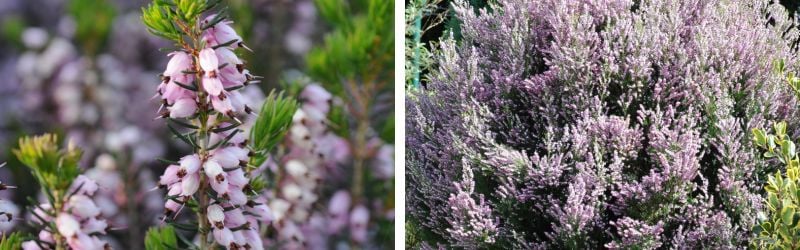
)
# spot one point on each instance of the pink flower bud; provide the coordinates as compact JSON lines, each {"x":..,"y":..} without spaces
{"x":338,"y":209}
{"x":172,"y":206}
{"x":93,"y":225}
{"x":261,"y":211}
{"x":223,"y":236}
{"x":67,"y":225}
{"x":317,"y":97}
{"x":225,"y":158}
{"x":46,"y":236}
{"x":236,"y":196}
{"x":84,"y":241}
{"x":87,"y":186}
{"x":83,"y":206}
{"x":170,"y":175}
{"x":183,"y":108}
{"x":221,"y":105}
{"x":235,"y":218}
{"x":237,"y":178}
{"x":175,"y":189}
{"x":180,"y":61}
{"x":220,"y":183}
{"x":190,"y":184}
{"x":208,"y":61}
{"x":216,"y":214}
{"x":30,"y":245}
{"x":212,"y":169}
{"x":213,"y":86}
{"x":190,"y":164}
{"x":359,"y":218}
{"x":253,"y":239}
{"x":296,"y":169}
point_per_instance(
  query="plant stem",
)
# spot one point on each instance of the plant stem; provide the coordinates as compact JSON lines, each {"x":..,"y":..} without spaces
{"x":58,"y":203}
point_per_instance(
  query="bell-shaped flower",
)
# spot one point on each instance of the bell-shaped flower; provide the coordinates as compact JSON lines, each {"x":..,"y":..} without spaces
{"x":87,"y":186}
{"x":83,"y":206}
{"x":93,"y":225}
{"x":359,"y":218}
{"x":190,"y":164}
{"x":67,"y":225}
{"x":216,"y":215}
{"x":190,"y":184}
{"x":179,"y":61}
{"x":222,"y":105}
{"x":223,"y":236}
{"x":236,"y":196}
{"x":183,"y":108}
{"x":170,"y":175}
{"x":338,"y":209}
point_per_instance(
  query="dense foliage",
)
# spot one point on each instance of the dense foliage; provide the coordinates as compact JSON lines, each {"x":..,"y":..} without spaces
{"x":588,"y":124}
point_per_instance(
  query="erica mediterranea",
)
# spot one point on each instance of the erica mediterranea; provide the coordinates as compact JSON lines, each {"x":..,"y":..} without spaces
{"x":598,"y":124}
{"x":200,"y":94}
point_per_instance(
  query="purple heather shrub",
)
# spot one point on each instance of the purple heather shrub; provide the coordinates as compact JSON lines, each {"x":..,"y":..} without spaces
{"x":598,"y":123}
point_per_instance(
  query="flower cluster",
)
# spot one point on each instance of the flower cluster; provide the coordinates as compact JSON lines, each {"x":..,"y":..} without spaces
{"x":78,"y":221}
{"x":8,"y":210}
{"x":202,"y":86}
{"x":313,"y":153}
{"x":591,"y":124}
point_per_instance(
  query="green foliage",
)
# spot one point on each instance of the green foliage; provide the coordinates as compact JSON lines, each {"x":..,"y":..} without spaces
{"x":272,"y":123}
{"x":361,"y":46}
{"x":12,"y":241}
{"x":387,"y":132}
{"x":781,"y":227}
{"x":170,"y":19}
{"x":158,"y":19}
{"x":93,"y":19}
{"x":53,"y":167}
{"x":11,"y":28}
{"x":418,"y":57}
{"x":161,"y":238}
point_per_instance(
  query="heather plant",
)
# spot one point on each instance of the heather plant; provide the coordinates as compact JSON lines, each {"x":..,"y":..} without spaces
{"x":333,"y":180}
{"x":201,"y":92}
{"x":68,"y":218}
{"x":598,"y":124}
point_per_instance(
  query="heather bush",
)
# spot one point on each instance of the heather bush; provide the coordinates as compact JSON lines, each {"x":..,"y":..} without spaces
{"x":598,"y":124}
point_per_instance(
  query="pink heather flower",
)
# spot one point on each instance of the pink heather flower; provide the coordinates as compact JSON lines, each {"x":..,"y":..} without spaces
{"x":30,"y":245}
{"x":317,"y":97}
{"x":190,"y":184}
{"x":260,"y":209}
{"x":338,"y":208}
{"x":223,"y":236}
{"x":216,"y":215}
{"x":221,"y":33}
{"x":183,"y":108}
{"x":358,"y":223}
{"x":93,"y":225}
{"x":179,"y":62}
{"x":210,"y":63}
{"x":87,"y":186}
{"x":84,"y":241}
{"x":384,"y":162}
{"x":67,"y":225}
{"x":212,"y":169}
{"x":170,"y":175}
{"x":46,"y":236}
{"x":222,"y":104}
{"x":83,"y":206}
{"x":253,"y":239}
{"x":190,"y":164}
{"x":8,"y":211}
